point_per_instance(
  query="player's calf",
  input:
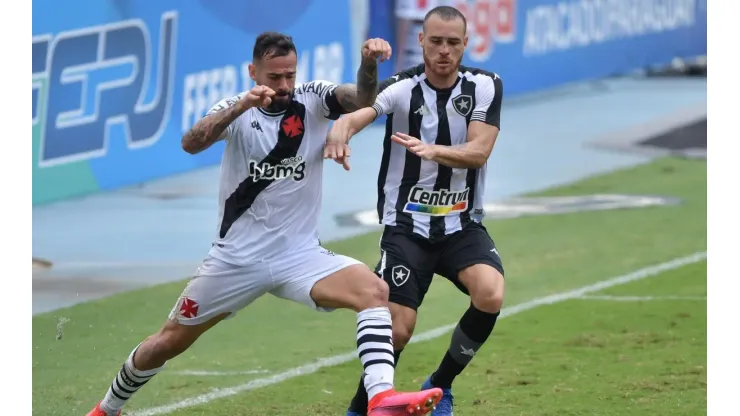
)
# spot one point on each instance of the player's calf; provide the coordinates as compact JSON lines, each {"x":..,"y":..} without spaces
{"x":486,"y":287}
{"x":404,"y":322}
{"x":148,"y":359}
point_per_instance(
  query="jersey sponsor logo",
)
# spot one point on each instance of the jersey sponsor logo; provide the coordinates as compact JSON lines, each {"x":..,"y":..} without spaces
{"x":463,"y":104}
{"x":293,"y":167}
{"x":436,"y":203}
{"x":102,"y":83}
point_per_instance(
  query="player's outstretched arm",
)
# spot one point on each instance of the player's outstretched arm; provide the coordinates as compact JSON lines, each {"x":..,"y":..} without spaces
{"x":341,"y":132}
{"x":471,"y":155}
{"x":214,"y":126}
{"x":482,"y":132}
{"x":352,"y":97}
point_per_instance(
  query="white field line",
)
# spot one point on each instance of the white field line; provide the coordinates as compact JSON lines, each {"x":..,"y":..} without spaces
{"x":219,"y":373}
{"x":310,"y":368}
{"x":642,"y":298}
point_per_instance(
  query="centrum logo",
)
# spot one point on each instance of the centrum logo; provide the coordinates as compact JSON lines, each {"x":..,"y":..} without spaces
{"x":436,"y":203}
{"x":294,"y":167}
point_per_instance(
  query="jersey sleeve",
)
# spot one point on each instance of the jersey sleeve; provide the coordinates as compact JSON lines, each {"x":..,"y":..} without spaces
{"x":232,"y":129}
{"x":391,"y":91}
{"x":488,"y":100}
{"x":322,"y":96}
{"x":386,"y":101}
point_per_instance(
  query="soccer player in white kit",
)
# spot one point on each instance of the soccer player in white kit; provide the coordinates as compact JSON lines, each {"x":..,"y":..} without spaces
{"x":267,"y":237}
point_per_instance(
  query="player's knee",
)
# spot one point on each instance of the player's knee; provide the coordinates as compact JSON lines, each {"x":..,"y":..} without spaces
{"x":373,"y":294}
{"x":488,"y":298}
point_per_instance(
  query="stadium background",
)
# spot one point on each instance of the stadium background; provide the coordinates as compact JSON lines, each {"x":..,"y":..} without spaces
{"x":165,"y":62}
{"x":118,"y":205}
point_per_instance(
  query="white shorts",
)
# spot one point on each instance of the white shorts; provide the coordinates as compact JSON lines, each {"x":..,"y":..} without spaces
{"x":219,"y":287}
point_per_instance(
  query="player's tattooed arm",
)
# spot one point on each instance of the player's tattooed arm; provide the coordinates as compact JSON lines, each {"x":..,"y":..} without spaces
{"x":215,"y":125}
{"x":353,"y":97}
{"x":210,"y":129}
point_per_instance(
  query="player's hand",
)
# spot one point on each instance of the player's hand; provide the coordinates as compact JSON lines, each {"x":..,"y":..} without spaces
{"x":339,"y":152}
{"x":416,"y":146}
{"x":259,"y":96}
{"x":336,"y":146}
{"x":376,"y":48}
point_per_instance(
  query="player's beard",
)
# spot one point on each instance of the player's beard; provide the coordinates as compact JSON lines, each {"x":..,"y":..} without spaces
{"x":444,"y":71}
{"x":281,"y":101}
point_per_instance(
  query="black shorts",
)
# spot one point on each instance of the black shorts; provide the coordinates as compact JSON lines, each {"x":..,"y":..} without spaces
{"x":409,"y":261}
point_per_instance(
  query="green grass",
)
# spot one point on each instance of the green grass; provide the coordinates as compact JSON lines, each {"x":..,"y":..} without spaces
{"x":579,"y":357}
{"x":529,"y":367}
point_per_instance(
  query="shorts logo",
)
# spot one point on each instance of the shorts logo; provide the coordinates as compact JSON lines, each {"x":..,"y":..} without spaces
{"x":400,"y":275}
{"x":463,"y":104}
{"x":436,"y":203}
{"x":188,"y":308}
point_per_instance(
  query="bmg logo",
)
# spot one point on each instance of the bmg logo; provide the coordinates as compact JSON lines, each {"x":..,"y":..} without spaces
{"x":88,"y":80}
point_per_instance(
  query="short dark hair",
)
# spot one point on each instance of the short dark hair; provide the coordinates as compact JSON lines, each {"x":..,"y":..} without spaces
{"x":272,"y":44}
{"x":446,"y":13}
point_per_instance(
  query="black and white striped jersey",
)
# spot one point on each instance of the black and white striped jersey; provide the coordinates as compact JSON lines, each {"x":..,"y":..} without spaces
{"x":421,"y":196}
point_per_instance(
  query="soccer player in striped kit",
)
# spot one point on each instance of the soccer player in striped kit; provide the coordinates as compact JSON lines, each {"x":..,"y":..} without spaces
{"x":442,"y":122}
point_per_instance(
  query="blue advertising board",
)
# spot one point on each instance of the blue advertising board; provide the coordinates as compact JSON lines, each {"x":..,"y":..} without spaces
{"x":539,"y":44}
{"x":116,"y":83}
{"x":556,"y":42}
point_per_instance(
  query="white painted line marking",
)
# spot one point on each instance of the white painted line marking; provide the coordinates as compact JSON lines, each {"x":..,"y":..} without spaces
{"x":219,"y":373}
{"x":310,"y":368}
{"x":643,"y":298}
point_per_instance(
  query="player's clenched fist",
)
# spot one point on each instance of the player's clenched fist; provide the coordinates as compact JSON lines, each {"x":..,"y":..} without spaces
{"x":259,"y":96}
{"x":376,"y":48}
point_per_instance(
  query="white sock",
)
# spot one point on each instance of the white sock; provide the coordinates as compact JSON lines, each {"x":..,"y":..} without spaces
{"x":126,"y":383}
{"x":375,"y":347}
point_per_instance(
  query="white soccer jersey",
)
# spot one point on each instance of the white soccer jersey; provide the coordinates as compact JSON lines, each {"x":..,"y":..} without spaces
{"x":271,"y":176}
{"x":422,"y":196}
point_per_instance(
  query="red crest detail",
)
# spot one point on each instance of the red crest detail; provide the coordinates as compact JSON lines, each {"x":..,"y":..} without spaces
{"x":292,"y":126}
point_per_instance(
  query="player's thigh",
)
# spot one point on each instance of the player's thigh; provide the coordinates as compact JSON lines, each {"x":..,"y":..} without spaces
{"x":324,"y":280}
{"x":407,"y":265}
{"x":471,"y":261}
{"x":219,"y":290}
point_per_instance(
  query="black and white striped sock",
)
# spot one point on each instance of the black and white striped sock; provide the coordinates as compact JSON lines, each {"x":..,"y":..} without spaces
{"x":126,"y":383}
{"x":375,"y":347}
